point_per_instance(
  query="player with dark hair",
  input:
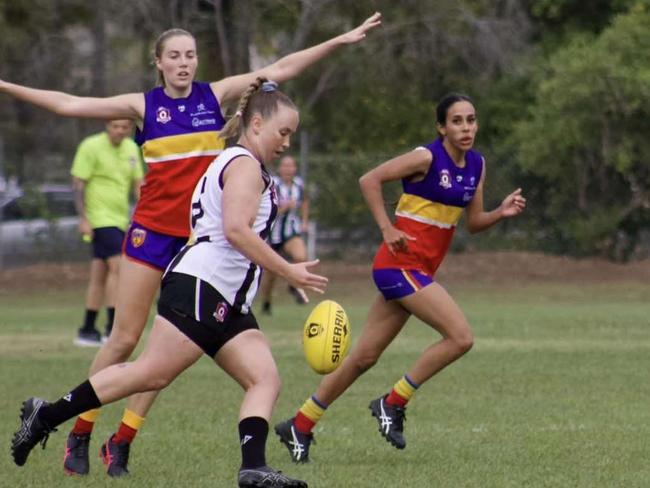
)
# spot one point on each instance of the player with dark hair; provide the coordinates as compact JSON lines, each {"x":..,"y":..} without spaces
{"x":440,"y":180}
{"x":178,"y":127}
{"x":206,"y":293}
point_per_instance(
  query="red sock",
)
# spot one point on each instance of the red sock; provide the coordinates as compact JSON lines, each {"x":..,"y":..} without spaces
{"x":303,"y":423}
{"x":82,"y":427}
{"x":395,"y":399}
{"x":124,"y":433}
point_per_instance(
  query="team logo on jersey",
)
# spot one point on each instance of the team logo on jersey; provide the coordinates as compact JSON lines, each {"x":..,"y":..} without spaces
{"x":459,"y":178}
{"x":138,"y":236}
{"x":181,"y":108}
{"x":201,"y":109}
{"x":221,"y":312}
{"x":163,"y":115}
{"x":314,"y":330}
{"x":445,"y":179}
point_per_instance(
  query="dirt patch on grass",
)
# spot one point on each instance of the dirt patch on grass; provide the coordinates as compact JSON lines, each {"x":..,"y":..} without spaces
{"x":517,"y":268}
{"x":475,"y":267}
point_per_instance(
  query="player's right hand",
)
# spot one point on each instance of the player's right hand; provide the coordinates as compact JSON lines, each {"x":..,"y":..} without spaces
{"x":300,"y":277}
{"x":396,"y":240}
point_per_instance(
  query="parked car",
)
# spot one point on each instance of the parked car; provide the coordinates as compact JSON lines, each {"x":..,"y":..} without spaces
{"x":39,"y":224}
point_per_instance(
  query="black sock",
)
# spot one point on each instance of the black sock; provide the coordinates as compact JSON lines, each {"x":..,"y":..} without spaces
{"x":252,"y":438}
{"x":79,"y":400}
{"x":110,"y":312}
{"x":89,"y":319}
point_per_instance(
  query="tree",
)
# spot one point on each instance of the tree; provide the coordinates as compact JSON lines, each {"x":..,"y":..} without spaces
{"x":586,"y":139}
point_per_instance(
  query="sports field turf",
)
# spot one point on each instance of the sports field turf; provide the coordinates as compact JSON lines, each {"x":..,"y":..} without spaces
{"x":555,"y":393}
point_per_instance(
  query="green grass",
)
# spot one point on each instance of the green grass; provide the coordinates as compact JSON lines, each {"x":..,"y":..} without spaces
{"x":555,"y":393}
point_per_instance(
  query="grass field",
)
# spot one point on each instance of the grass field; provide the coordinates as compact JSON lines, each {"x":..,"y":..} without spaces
{"x":555,"y":393}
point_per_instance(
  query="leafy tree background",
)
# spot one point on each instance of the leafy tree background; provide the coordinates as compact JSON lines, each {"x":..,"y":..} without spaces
{"x":562,"y":93}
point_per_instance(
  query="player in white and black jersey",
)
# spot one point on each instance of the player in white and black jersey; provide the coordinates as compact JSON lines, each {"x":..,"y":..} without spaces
{"x":207,"y":292}
{"x":287,"y":231}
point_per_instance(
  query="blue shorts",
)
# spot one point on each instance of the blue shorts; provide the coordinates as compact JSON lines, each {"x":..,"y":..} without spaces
{"x":107,"y":242}
{"x":398,"y":283}
{"x":150,"y":247}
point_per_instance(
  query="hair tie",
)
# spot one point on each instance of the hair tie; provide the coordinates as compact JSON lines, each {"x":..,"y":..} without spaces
{"x":269,"y":86}
{"x":238,"y":113}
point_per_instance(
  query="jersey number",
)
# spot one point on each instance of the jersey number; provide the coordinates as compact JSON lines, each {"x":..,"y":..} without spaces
{"x":197,"y":209}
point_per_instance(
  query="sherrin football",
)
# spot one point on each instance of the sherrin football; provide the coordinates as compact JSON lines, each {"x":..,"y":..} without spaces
{"x":326,"y":336}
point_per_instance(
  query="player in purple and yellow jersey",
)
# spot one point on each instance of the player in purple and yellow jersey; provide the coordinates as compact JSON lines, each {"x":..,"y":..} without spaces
{"x":178,"y":127}
{"x":440,"y":181}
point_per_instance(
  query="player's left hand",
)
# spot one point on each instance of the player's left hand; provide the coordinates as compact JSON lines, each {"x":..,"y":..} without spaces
{"x":513,"y":204}
{"x":359,"y":33}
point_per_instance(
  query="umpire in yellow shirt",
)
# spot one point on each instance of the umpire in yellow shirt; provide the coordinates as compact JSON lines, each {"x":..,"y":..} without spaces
{"x":106,"y":168}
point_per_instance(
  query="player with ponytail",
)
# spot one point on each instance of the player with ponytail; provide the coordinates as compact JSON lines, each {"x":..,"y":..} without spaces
{"x":207,"y":291}
{"x":179,"y":127}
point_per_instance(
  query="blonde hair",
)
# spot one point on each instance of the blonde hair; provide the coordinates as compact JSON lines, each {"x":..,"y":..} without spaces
{"x":159,"y":47}
{"x":262,"y":97}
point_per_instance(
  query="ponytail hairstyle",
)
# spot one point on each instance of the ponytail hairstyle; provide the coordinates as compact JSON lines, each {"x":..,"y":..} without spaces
{"x":446,"y":102}
{"x":159,"y":47}
{"x":261,"y":97}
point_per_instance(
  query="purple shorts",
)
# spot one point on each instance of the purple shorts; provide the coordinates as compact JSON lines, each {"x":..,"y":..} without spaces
{"x":150,"y":247}
{"x":398,"y":283}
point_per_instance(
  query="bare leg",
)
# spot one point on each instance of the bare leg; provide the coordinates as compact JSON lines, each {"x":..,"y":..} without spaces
{"x":137,"y":286}
{"x":167,"y":354}
{"x":296,"y":249}
{"x":247,"y":359}
{"x":384,"y":322}
{"x":113,"y":265}
{"x":95,"y":291}
{"x":435,"y":307}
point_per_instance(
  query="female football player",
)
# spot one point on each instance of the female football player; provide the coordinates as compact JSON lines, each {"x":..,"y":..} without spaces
{"x":439,"y":180}
{"x":207,"y":290}
{"x":292,"y":221}
{"x":178,"y":128}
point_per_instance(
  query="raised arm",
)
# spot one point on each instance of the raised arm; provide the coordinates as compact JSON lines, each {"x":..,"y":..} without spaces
{"x":478,"y":219}
{"x":242,"y":189}
{"x":127,"y":106}
{"x":413,"y":164}
{"x":293,"y":64}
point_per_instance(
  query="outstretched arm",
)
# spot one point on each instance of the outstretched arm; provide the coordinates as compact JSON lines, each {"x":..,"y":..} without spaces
{"x":478,"y":219}
{"x":128,"y":106}
{"x":293,"y":64}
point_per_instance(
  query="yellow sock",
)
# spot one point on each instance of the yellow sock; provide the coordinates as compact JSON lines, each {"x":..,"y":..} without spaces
{"x":90,"y":415}
{"x":132,"y":419}
{"x":312,"y":410}
{"x":405,"y":388}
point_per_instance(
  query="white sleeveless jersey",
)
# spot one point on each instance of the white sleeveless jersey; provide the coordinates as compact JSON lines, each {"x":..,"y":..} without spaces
{"x":212,"y":258}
